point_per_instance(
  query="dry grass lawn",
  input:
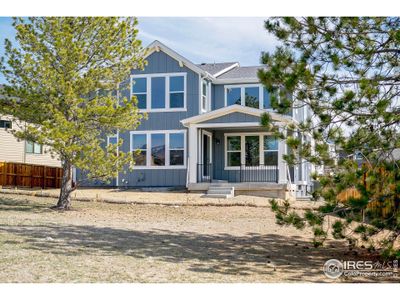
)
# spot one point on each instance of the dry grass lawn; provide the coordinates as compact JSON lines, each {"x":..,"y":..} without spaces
{"x":100,"y":242}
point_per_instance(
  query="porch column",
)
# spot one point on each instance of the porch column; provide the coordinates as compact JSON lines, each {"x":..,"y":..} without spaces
{"x":281,"y":163}
{"x":192,"y":167}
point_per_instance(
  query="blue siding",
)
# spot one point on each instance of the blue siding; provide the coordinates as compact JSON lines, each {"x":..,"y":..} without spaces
{"x":235,"y":118}
{"x":159,"y":62}
{"x":219,"y":157}
{"x":218,"y":94}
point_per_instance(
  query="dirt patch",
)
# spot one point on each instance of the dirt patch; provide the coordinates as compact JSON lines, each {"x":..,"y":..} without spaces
{"x":100,"y":242}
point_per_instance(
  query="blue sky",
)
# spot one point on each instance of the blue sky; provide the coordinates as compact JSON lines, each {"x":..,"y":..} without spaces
{"x":199,"y":39}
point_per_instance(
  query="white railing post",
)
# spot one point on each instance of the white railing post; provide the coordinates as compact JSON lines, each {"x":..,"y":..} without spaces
{"x":192,"y":165}
{"x":281,"y":163}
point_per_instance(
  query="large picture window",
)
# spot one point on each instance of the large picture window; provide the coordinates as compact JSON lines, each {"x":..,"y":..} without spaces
{"x":160,"y":92}
{"x":252,"y":150}
{"x":159,"y":149}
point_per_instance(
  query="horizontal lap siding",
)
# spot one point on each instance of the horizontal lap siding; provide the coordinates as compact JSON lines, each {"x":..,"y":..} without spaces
{"x":12,"y":150}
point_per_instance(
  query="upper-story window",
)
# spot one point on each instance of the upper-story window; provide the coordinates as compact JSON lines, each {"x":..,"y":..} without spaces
{"x":251,"y":95}
{"x":139,"y":89}
{"x":5,"y":124}
{"x":205,"y":97}
{"x":176,"y":91}
{"x":160,"y":92}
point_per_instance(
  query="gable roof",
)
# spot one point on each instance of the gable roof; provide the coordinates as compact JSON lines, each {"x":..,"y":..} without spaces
{"x":216,"y":69}
{"x":232,"y":109}
{"x":157,"y":46}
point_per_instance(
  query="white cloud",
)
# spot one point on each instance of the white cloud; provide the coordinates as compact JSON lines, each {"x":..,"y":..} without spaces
{"x":211,"y":39}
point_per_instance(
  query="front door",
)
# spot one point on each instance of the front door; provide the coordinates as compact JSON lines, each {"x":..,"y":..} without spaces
{"x":207,"y":159}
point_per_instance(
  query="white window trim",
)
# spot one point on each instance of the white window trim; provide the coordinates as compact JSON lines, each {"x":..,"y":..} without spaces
{"x":167,"y":91}
{"x":208,"y":96}
{"x":112,"y":136}
{"x":33,"y":148}
{"x":242,"y":148}
{"x":148,"y":149}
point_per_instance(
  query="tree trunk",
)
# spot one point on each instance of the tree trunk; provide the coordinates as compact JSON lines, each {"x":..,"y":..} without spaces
{"x":64,"y":200}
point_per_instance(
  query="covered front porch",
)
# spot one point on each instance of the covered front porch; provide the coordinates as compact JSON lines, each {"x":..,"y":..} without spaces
{"x":229,"y":147}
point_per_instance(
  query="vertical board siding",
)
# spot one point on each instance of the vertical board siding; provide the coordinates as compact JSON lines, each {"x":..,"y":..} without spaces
{"x":218,"y":93}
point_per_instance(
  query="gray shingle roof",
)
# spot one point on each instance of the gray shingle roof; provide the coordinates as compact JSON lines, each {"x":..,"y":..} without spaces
{"x":214,"y":68}
{"x":241,"y":72}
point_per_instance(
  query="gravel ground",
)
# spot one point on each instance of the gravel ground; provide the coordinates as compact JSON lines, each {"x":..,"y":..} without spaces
{"x":101,"y":242}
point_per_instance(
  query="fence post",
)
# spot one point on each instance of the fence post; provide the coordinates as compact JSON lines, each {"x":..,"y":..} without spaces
{"x":31,"y":176}
{"x":5,"y":174}
{"x":44,"y":177}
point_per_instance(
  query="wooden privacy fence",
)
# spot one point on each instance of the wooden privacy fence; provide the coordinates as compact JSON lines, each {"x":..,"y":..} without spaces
{"x":30,"y":176}
{"x":384,"y":208}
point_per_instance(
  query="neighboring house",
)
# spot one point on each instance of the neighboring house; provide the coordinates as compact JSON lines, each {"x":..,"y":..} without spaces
{"x":12,"y":150}
{"x":203,"y":129}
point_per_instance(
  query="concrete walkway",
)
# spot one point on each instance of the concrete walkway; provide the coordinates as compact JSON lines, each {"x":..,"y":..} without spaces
{"x":157,"y":197}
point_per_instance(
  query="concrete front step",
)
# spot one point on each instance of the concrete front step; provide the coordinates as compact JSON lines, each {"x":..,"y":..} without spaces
{"x":212,"y":191}
{"x":225,"y":196}
{"x":216,"y":191}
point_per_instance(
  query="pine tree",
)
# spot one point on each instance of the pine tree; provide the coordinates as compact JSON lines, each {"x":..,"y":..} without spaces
{"x":347,"y":71}
{"x":63,"y":80}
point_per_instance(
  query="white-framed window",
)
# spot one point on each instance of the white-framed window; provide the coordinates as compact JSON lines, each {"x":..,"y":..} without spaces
{"x":139,"y":89}
{"x":112,"y":140}
{"x":270,"y":151}
{"x":205,"y":102}
{"x":250,"y":149}
{"x":33,"y":148}
{"x":233,"y":151}
{"x":5,"y":124}
{"x":139,"y":148}
{"x":250,"y":95}
{"x":160,"y":92}
{"x":159,"y":149}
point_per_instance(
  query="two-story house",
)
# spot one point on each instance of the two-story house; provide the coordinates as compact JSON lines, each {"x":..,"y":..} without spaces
{"x":203,"y":130}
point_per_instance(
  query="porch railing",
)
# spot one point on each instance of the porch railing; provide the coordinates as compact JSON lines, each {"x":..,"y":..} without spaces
{"x":244,"y":173}
{"x":259,"y":173}
{"x":204,"y":172}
